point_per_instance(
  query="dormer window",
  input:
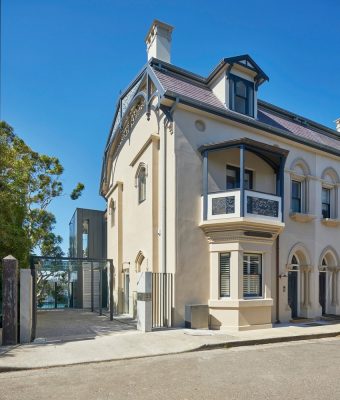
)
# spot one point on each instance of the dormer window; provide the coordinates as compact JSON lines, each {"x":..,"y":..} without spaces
{"x":241,"y":95}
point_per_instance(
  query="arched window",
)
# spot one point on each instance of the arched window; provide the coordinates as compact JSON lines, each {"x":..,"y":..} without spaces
{"x":329,"y":196}
{"x":139,"y":261}
{"x":299,"y":187}
{"x":141,"y":183}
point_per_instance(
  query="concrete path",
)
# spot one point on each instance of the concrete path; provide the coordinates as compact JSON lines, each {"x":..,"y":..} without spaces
{"x":77,"y":324}
{"x":133,"y":344}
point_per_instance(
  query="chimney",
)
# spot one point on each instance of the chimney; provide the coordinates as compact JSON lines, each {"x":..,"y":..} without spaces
{"x":337,"y":124}
{"x":158,"y":41}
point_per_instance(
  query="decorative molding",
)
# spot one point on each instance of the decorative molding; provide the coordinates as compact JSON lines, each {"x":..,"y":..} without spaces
{"x":301,"y":217}
{"x":154,"y":137}
{"x":331,"y":222}
{"x":237,"y":230}
{"x":113,"y":188}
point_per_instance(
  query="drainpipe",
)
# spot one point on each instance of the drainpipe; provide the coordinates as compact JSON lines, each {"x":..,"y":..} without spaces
{"x":169,"y":117}
{"x":277,"y":279}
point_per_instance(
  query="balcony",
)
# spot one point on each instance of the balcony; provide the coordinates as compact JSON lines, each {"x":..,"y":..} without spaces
{"x":243,"y":188}
{"x":256,"y":205}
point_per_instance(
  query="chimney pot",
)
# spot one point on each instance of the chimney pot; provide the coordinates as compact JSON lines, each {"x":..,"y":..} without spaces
{"x":158,"y":41}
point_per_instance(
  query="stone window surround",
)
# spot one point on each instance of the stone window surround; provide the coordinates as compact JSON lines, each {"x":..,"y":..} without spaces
{"x":236,"y":298}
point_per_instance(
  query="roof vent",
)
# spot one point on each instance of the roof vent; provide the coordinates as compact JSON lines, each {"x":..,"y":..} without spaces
{"x":158,"y":41}
{"x":337,"y":124}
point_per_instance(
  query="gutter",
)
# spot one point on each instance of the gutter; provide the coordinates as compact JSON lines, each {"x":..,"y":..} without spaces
{"x":252,"y":123}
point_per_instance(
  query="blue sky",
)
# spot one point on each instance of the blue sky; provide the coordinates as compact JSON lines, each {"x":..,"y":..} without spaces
{"x":65,"y":61}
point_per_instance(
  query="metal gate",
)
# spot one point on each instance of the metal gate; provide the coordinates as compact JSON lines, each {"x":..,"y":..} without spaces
{"x":162,"y":299}
{"x":65,"y":282}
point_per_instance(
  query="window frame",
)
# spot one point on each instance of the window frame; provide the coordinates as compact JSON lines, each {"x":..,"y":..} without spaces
{"x":300,"y":199}
{"x":247,"y":296}
{"x":141,"y":184}
{"x":329,"y":204}
{"x":249,"y":98}
{"x":238,"y":177}
{"x":220,"y":275}
{"x":85,"y":235}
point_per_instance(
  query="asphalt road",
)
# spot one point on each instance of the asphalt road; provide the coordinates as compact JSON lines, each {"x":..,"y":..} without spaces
{"x":298,"y":370}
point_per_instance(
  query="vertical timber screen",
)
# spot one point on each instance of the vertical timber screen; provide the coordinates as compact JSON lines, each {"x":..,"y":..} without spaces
{"x":162,"y":299}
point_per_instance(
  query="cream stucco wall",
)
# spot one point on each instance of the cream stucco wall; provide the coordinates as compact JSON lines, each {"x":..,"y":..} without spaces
{"x":135,"y":226}
{"x":165,"y":228}
{"x":192,"y":246}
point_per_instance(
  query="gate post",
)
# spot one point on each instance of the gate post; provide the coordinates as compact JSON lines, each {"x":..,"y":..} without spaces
{"x":9,"y":301}
{"x":144,"y":303}
{"x":26,"y":305}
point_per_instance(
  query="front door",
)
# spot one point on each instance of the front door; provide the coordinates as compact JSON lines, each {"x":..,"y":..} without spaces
{"x":322,"y":291}
{"x":293,"y":292}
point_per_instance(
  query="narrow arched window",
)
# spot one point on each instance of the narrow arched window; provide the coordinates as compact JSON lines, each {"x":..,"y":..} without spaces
{"x":141,"y":184}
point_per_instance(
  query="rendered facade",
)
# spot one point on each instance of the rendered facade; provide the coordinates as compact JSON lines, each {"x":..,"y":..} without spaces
{"x":235,"y":197}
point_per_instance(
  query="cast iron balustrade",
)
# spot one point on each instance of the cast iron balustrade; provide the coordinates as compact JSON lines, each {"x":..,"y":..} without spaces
{"x":256,"y":205}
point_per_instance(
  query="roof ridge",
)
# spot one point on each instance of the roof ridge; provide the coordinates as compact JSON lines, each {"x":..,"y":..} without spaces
{"x":183,"y":78}
{"x":179,"y":70}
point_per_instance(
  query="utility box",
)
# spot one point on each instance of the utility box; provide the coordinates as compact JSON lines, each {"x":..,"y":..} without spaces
{"x":197,"y":316}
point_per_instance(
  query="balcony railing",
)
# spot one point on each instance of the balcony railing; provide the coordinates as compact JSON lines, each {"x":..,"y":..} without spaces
{"x":256,"y":205}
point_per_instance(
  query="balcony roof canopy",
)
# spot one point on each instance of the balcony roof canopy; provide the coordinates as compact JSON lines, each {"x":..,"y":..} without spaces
{"x":273,"y":155}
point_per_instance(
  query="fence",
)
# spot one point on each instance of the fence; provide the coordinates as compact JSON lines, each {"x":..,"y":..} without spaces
{"x":162,"y":299}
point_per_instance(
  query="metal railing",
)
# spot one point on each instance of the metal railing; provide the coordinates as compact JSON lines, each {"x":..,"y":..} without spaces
{"x":256,"y":205}
{"x":162,"y":299}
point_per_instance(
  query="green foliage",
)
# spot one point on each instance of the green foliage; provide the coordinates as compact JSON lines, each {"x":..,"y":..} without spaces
{"x":29,"y":181}
{"x":76,"y":193}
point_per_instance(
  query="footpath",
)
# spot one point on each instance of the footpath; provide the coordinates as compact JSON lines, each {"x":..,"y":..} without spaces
{"x":130,"y":344}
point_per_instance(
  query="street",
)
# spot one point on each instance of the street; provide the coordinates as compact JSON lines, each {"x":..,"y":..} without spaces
{"x":296,"y":370}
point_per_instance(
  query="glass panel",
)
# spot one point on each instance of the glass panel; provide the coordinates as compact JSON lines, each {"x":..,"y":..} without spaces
{"x":248,"y":180}
{"x":296,"y":189}
{"x":142,"y":185}
{"x":233,"y":178}
{"x":241,"y":88}
{"x":225,"y":275}
{"x":296,"y":196}
{"x":85,"y":238}
{"x":325,"y":195}
{"x":240,"y":104}
{"x":325,"y":211}
{"x":250,"y":101}
{"x":252,"y":275}
{"x":233,"y":175}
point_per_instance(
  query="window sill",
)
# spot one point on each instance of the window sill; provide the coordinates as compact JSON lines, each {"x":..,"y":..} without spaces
{"x":250,"y":302}
{"x":332,"y":222}
{"x":301,"y":217}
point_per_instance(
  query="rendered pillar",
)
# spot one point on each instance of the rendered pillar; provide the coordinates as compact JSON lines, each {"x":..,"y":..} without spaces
{"x":26,"y":305}
{"x":9,"y":301}
{"x":144,"y":303}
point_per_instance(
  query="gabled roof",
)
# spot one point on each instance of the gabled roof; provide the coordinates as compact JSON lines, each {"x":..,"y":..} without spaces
{"x":244,"y":61}
{"x":193,"y":90}
{"x":185,"y":87}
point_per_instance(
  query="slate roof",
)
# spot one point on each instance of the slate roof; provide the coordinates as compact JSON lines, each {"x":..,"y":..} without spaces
{"x":192,"y":88}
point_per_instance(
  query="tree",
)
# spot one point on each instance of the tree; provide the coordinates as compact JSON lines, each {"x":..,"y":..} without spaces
{"x":29,"y":181}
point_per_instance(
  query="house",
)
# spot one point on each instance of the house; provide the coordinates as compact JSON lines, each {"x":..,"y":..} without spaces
{"x":234,"y":197}
{"x":87,"y":240}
